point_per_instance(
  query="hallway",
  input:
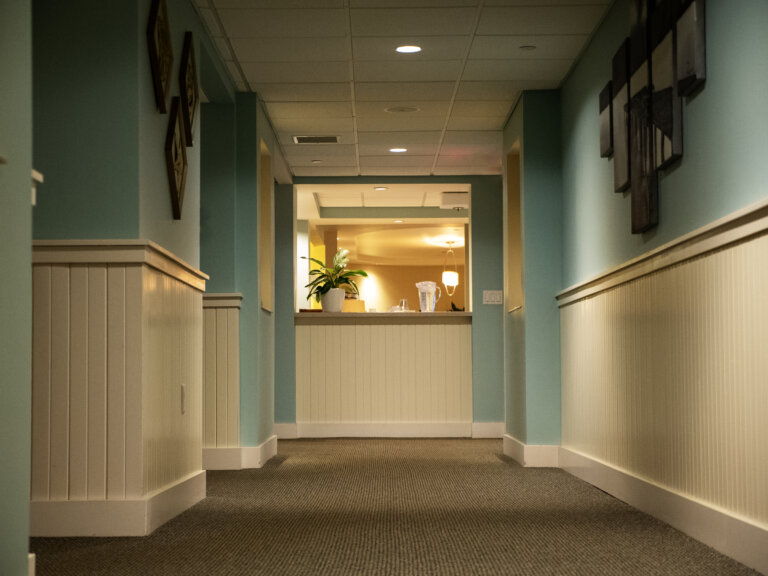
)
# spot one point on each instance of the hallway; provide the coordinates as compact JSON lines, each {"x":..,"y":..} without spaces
{"x":385,"y":506}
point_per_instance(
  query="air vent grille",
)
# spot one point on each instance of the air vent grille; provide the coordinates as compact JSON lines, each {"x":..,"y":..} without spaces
{"x":316,"y":139}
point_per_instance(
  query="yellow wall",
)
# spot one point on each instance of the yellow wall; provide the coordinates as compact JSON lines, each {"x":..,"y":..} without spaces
{"x":386,"y":285}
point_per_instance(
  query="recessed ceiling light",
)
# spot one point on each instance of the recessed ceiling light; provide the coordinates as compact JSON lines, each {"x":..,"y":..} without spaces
{"x":408,"y":49}
{"x":527,"y":47}
{"x":398,"y":221}
{"x":380,"y":188}
{"x":317,"y":161}
{"x":398,"y":150}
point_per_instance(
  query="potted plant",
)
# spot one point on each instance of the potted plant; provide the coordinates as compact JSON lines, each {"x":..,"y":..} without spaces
{"x":330,"y":284}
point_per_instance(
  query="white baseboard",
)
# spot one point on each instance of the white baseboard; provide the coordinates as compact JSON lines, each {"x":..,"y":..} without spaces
{"x":116,"y":517}
{"x":531,"y":455}
{"x":286,"y":430}
{"x":734,"y":537}
{"x":241,"y":457}
{"x":384,"y":430}
{"x":487,"y":429}
{"x":31,"y":565}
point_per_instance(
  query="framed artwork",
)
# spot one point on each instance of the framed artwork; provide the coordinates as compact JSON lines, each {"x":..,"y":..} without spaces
{"x":188,"y":87}
{"x":667,"y":105}
{"x":160,"y":52}
{"x":606,"y":121}
{"x":691,"y":50}
{"x":176,"y":157}
{"x":620,"y":107}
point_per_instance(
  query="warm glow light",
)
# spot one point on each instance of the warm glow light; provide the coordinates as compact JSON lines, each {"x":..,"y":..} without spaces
{"x":408,"y":49}
{"x":453,"y":240}
{"x":380,"y":188}
{"x":450,"y":278}
{"x":398,"y":150}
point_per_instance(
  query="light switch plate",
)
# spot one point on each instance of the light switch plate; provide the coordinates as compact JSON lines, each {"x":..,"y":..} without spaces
{"x":493,"y":297}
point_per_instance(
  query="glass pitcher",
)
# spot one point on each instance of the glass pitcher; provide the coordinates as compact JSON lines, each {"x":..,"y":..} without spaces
{"x":427,"y":299}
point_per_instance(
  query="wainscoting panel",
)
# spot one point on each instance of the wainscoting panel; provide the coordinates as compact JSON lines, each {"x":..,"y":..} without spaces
{"x":406,"y":373}
{"x":664,"y":369}
{"x":117,"y":335}
{"x":221,"y":370}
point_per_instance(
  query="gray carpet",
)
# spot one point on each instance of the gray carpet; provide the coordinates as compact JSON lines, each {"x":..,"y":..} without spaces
{"x":386,"y":506}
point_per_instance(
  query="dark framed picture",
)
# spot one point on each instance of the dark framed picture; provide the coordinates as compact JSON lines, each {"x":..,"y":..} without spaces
{"x":606,"y":121}
{"x":160,"y":52}
{"x":620,"y":110}
{"x":176,"y":157}
{"x":691,"y":49}
{"x":190,"y":94}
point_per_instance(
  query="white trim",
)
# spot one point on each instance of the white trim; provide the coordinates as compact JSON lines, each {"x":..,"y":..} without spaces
{"x":384,"y":430}
{"x":739,"y":226}
{"x":124,"y":252}
{"x":31,"y":564}
{"x":116,"y":517}
{"x":487,"y":429}
{"x":286,"y":430}
{"x":239,"y":458}
{"x":222,"y":300}
{"x":733,"y":536}
{"x":531,"y":455}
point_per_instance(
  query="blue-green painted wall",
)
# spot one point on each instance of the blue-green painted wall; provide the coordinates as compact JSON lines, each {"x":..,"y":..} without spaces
{"x":217,"y":196}
{"x":16,"y":287}
{"x":725,"y":131}
{"x":285,"y":333}
{"x":487,"y":271}
{"x":533,"y":334}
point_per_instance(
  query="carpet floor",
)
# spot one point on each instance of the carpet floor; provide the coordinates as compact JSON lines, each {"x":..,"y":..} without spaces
{"x":392,"y":506}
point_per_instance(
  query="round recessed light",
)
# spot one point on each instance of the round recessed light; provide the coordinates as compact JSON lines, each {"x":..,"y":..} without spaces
{"x":408,"y":49}
{"x":398,"y":150}
{"x":380,"y":188}
{"x":401,"y":109}
{"x":317,"y":161}
{"x":527,"y":47}
{"x":398,"y":221}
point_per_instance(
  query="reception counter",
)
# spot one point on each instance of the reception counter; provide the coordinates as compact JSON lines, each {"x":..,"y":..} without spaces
{"x":384,"y":374}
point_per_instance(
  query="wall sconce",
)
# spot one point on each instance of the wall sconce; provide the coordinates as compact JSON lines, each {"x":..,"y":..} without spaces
{"x":450,"y":277}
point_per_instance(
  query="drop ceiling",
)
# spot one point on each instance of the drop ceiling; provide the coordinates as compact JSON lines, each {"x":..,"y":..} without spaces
{"x":329,"y":68}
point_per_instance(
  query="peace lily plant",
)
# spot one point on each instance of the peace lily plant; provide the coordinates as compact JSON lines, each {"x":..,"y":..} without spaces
{"x":336,"y":278}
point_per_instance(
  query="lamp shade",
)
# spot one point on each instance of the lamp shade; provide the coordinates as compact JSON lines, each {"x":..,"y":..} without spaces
{"x":450,"y":278}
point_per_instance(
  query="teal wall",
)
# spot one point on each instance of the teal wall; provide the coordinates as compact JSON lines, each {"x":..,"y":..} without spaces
{"x":99,"y":138}
{"x":725,"y":131}
{"x":285,"y":333}
{"x":487,"y":271}
{"x":16,"y":287}
{"x":533,"y":335}
{"x":217,"y":196}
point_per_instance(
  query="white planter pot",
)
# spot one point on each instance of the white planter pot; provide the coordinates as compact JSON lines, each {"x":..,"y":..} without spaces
{"x":333,"y":300}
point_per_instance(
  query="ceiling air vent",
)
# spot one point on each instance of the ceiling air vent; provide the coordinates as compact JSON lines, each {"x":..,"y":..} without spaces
{"x":454,"y":200}
{"x":316,"y":139}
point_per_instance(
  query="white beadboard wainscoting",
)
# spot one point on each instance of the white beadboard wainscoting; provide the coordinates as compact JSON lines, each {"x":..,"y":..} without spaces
{"x":664,"y":384}
{"x":375,"y":375}
{"x":116,"y":387}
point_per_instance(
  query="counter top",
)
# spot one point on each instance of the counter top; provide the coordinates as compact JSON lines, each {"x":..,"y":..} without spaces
{"x":347,"y":318}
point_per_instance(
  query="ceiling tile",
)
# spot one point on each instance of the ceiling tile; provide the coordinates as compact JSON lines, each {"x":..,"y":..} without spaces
{"x":279,"y":3}
{"x":379,"y":109}
{"x":295,"y":23}
{"x":551,"y":71}
{"x":485,"y":143}
{"x":402,"y":139}
{"x":309,"y":109}
{"x":479,"y":108}
{"x":533,"y":20}
{"x":412,"y":21}
{"x":321,"y":151}
{"x":400,"y":171}
{"x":324,"y":171}
{"x":300,"y":92}
{"x":547,"y":47}
{"x":410,"y":3}
{"x":410,"y":71}
{"x":291,"y":49}
{"x":433,"y":47}
{"x":545,"y":2}
{"x":467,"y":123}
{"x":492,"y":90}
{"x":211,"y":22}
{"x":396,"y":160}
{"x":490,"y":160}
{"x":328,"y":162}
{"x":400,"y":123}
{"x":223,"y":47}
{"x":289,"y":72}
{"x":411,"y":91}
{"x":308,"y":126}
